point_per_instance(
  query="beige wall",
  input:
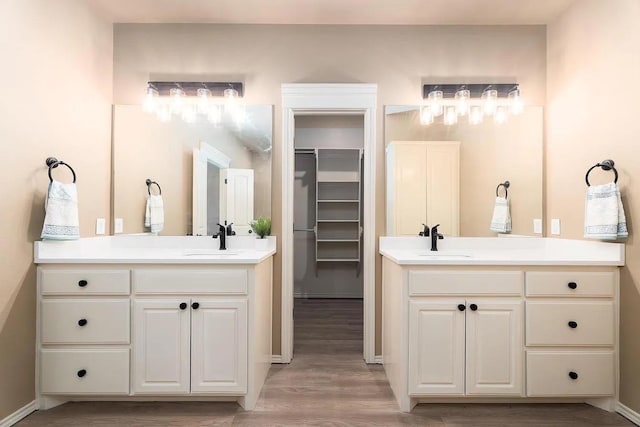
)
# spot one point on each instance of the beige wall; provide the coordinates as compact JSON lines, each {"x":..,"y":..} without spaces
{"x":397,"y":58}
{"x":56,"y":100}
{"x":592,"y":115}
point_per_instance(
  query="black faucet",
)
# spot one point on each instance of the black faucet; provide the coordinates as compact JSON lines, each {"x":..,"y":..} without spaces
{"x":425,"y":231}
{"x":230,"y":231}
{"x":222,"y":235}
{"x":434,"y":237}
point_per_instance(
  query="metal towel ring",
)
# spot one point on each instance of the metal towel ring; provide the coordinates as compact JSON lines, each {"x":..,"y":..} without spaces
{"x":506,"y":185}
{"x":53,"y":163}
{"x":149,"y":182}
{"x":606,"y":165}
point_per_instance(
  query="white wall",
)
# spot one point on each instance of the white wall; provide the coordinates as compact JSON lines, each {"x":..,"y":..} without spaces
{"x":593,"y":56}
{"x":56,"y":79}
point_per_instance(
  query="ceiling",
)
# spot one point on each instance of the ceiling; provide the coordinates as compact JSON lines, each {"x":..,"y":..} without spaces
{"x":359,"y":12}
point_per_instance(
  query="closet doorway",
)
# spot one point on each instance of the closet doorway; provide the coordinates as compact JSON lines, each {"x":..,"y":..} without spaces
{"x":328,"y":244}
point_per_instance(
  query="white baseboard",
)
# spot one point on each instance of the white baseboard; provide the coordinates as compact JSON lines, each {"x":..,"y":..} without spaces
{"x":19,"y":414}
{"x":378,"y":359}
{"x":276,"y":358}
{"x":628,"y":413}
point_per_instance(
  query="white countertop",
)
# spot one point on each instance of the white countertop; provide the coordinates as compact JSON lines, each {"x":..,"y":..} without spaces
{"x":150,"y":249}
{"x":501,"y":251}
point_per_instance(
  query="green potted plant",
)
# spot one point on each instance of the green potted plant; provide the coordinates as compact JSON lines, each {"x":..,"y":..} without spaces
{"x":262,"y":228}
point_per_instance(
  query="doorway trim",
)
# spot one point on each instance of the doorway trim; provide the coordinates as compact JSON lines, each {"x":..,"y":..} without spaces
{"x":332,"y":98}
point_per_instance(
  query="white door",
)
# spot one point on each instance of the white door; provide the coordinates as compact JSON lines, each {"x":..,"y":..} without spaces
{"x":236,"y":198}
{"x":219,"y":346}
{"x":436,"y":347}
{"x":443,"y":186}
{"x":407,"y":168}
{"x":495,"y":347}
{"x":161,"y":346}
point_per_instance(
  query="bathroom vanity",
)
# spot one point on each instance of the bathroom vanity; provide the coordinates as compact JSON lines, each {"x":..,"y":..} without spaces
{"x":501,"y":319}
{"x":153,"y":318}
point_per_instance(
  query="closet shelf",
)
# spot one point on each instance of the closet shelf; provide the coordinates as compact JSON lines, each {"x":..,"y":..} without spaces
{"x":338,"y":260}
{"x":339,"y":240}
{"x":338,"y":220}
{"x":321,"y":180}
{"x":338,"y":201}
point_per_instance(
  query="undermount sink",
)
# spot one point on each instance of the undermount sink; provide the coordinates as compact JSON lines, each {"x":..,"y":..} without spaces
{"x":210,"y":252}
{"x":444,"y":254}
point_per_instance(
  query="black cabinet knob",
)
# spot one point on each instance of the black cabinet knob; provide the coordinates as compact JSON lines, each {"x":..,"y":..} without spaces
{"x":195,"y":305}
{"x":473,"y":307}
{"x":183,"y":306}
{"x":572,"y":324}
{"x":82,"y":322}
{"x":83,"y":283}
{"x":573,"y":375}
{"x":572,"y":285}
{"x":82,"y":373}
{"x":461,"y":307}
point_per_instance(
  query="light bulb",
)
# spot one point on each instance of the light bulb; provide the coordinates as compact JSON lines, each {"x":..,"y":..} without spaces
{"x":500,"y":116}
{"x":489,"y":101}
{"x":450,"y":116}
{"x":203,"y":100}
{"x":150,"y":102}
{"x":215,"y":114}
{"x":462,"y":97}
{"x":426,"y":118}
{"x":189,"y":113}
{"x":475,"y":115}
{"x":177,"y":99}
{"x":163,"y":113}
{"x":515,"y":101}
{"x":230,"y":95}
{"x":434,"y":99}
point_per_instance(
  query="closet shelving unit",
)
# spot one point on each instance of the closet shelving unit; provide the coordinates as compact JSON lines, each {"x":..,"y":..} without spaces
{"x":338,"y":204}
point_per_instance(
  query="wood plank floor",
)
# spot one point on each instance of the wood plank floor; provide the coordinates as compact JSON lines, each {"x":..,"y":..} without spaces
{"x":327,"y":384}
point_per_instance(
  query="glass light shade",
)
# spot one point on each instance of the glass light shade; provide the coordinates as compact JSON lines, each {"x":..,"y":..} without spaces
{"x":177,"y":99}
{"x":204,"y":95}
{"x":426,"y":117}
{"x":515,"y":101}
{"x":475,"y":115}
{"x":462,"y":98}
{"x":500,"y":115}
{"x":163,"y":112}
{"x":450,"y":116}
{"x":150,"y":102}
{"x":489,"y":101}
{"x":434,"y":99}
{"x":230,"y":94}
{"x":215,"y":114}
{"x":189,"y":114}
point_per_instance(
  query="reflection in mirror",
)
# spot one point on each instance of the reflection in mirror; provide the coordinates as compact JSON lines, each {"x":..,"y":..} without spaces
{"x":489,"y":154}
{"x":191,"y":161}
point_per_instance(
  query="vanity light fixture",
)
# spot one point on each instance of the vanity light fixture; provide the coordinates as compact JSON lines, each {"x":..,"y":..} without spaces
{"x":475,"y":100}
{"x":191,"y":99}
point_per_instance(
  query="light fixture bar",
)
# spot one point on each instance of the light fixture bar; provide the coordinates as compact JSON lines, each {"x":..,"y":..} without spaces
{"x":475,"y":89}
{"x":191,"y":88}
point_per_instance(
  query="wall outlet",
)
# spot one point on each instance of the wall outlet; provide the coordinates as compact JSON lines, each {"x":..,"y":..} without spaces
{"x":100,"y":225}
{"x":555,"y":226}
{"x":537,"y":226}
{"x":118,"y":225}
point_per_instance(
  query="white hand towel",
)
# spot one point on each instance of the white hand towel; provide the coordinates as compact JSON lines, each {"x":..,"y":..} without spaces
{"x":61,"y":212}
{"x":154,"y":213}
{"x":603,"y":213}
{"x":501,"y":220}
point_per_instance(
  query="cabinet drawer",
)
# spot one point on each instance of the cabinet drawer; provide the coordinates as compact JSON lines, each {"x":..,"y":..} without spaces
{"x":78,"y":321}
{"x":192,"y":281}
{"x":570,"y":284}
{"x":570,"y":323}
{"x":83,"y":282}
{"x":424,"y":282}
{"x":84,"y":371}
{"x":570,"y":373}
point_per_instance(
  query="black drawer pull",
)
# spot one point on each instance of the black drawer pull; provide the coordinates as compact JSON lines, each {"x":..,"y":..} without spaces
{"x":82,"y":373}
{"x":195,"y":305}
{"x":183,"y":306}
{"x":83,"y":283}
{"x":461,"y":307}
{"x":573,"y":324}
{"x":473,"y":307}
{"x":573,"y":375}
{"x":572,"y":285}
{"x":82,"y":322}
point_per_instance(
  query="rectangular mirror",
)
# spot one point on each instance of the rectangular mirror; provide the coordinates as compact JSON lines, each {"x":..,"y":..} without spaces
{"x":208,"y":174}
{"x":449,"y":174}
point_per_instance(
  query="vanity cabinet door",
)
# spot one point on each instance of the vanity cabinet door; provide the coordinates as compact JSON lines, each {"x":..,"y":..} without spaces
{"x":219,"y":346}
{"x":436,"y":347}
{"x":161,"y":346}
{"x":494,"y":347}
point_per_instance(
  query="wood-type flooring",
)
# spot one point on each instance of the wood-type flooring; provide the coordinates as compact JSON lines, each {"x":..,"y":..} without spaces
{"x":327,"y":384}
